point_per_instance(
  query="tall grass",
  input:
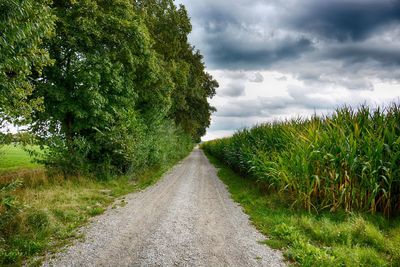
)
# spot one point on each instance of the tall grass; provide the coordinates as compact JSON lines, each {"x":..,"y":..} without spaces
{"x":349,"y":160}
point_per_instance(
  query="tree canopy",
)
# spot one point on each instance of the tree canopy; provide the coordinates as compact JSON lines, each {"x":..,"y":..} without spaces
{"x":169,"y":27}
{"x":23,"y":25}
{"x":105,"y":82}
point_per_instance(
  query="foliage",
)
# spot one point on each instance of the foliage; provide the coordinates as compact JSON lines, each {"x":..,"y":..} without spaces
{"x":309,"y":239}
{"x":9,"y":209}
{"x":182,"y":64}
{"x":23,"y":24}
{"x":123,"y":74}
{"x":98,"y":49}
{"x":5,"y":139}
{"x":100,"y":78}
{"x":347,"y":161}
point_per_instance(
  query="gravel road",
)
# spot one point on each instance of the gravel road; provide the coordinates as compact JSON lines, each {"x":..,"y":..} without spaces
{"x":186,"y":219}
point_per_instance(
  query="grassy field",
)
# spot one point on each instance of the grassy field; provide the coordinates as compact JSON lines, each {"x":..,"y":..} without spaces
{"x":40,"y":213}
{"x":14,"y":157}
{"x":309,"y":239}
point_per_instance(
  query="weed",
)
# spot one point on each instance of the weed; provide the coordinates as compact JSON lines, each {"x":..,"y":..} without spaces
{"x":95,"y":211}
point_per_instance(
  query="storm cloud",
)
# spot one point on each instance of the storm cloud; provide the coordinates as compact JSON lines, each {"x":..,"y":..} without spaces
{"x":257,"y":34}
{"x":344,"y":20}
{"x":277,"y":59}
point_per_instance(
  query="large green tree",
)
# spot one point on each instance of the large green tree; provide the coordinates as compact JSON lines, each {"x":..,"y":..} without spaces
{"x":191,"y":85}
{"x":192,"y":111}
{"x":23,"y":25}
{"x":103,"y":65}
{"x":126,"y":89}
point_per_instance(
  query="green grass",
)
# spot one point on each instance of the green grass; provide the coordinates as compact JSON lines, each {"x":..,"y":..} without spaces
{"x":307,"y":239}
{"x":43,"y":213}
{"x":14,"y":157}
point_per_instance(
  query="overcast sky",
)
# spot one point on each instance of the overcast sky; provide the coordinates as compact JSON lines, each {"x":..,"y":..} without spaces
{"x":279,"y":59}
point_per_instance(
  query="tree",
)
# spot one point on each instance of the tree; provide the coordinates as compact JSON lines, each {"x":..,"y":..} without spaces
{"x":169,"y":26}
{"x":102,"y":64}
{"x":23,"y":25}
{"x":191,"y":85}
{"x":192,"y":111}
{"x":125,"y":82}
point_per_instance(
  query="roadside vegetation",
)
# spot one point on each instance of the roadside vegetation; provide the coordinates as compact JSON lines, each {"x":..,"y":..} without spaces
{"x":325,"y":189}
{"x":315,"y":239}
{"x":107,"y":92}
{"x":41,"y":213}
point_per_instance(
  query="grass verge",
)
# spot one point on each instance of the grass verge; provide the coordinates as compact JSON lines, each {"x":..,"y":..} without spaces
{"x":307,"y":239}
{"x":43,"y":215}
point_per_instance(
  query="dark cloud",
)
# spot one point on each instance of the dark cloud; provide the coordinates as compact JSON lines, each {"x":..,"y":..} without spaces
{"x":254,"y":35}
{"x":247,"y":53}
{"x":303,"y":98}
{"x":260,"y":107}
{"x":255,"y":77}
{"x":345,"y":20}
{"x":321,"y":54}
{"x":387,"y":55}
{"x":298,"y":98}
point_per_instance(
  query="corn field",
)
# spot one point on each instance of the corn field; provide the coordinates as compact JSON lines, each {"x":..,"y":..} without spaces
{"x":349,"y":160}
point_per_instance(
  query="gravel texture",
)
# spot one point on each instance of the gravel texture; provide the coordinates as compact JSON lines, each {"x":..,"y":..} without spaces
{"x":186,"y":219}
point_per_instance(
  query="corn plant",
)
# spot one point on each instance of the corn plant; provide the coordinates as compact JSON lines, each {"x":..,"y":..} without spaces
{"x":349,"y":160}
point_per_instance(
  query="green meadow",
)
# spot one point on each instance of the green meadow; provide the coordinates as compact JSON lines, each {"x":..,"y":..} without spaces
{"x":16,"y":157}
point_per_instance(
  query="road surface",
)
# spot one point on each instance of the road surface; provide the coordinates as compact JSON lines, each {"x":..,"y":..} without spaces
{"x":186,"y":219}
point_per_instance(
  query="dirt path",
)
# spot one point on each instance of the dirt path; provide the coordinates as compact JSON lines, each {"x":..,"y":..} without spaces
{"x":186,"y":219}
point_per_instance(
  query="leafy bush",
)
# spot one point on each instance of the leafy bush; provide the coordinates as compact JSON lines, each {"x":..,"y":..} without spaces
{"x":9,"y":206}
{"x":130,"y":149}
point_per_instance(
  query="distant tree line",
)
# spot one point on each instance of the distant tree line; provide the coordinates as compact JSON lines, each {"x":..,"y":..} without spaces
{"x":107,"y":86}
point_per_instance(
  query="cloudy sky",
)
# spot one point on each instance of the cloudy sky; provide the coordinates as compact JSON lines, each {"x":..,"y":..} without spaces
{"x":276,"y":59}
